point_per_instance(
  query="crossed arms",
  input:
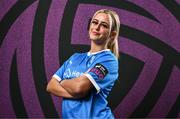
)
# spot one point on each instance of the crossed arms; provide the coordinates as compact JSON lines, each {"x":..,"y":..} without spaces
{"x":75,"y":88}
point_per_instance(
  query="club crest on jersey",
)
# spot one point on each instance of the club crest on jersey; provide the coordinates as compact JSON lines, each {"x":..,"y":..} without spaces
{"x":99,"y":70}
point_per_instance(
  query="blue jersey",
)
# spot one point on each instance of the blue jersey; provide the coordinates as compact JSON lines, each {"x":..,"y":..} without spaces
{"x":101,"y":68}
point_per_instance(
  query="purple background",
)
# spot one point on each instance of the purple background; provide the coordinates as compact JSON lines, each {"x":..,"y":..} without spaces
{"x":19,"y":38}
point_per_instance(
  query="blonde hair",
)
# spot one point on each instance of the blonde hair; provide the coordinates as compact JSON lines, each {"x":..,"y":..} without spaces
{"x":114,"y":26}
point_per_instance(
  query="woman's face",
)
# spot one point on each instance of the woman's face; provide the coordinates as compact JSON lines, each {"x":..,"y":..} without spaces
{"x":99,"y":28}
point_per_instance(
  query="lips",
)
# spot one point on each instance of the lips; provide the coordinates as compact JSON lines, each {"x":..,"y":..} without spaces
{"x":95,"y":33}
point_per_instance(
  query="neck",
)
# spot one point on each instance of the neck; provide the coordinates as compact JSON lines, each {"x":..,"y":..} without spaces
{"x":95,"y":47}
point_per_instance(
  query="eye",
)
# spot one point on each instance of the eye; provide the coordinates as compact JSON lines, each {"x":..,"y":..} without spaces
{"x":105,"y":26}
{"x":94,"y":22}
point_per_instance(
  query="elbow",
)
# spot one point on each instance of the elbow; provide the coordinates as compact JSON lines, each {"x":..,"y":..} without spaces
{"x":49,"y":88}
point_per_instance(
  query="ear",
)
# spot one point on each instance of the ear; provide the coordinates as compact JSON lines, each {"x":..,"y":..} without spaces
{"x":113,"y":34}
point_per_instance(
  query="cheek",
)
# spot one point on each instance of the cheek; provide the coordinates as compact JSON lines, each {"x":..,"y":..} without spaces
{"x":91,"y":26}
{"x":91,"y":29}
{"x":105,"y":32}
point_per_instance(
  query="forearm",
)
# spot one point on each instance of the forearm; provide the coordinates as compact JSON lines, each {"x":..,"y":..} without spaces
{"x":78,"y":87}
{"x":61,"y":92}
{"x":56,"y":89}
{"x":71,"y":87}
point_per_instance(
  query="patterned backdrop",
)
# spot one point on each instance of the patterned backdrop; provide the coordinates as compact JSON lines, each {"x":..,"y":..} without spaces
{"x":37,"y":36}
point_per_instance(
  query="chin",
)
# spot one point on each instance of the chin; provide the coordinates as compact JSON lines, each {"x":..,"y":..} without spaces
{"x":98,"y":41}
{"x":94,"y":38}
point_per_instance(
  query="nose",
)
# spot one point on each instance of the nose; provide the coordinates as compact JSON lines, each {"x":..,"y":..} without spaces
{"x":97,"y":27}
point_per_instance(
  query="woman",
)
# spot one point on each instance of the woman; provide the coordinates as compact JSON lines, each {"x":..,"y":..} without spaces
{"x":85,"y":79}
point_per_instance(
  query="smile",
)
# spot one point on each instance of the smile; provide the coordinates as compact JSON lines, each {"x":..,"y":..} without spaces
{"x":95,"y":33}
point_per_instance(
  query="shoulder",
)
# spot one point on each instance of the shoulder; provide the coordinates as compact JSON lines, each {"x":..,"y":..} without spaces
{"x":107,"y":57}
{"x":108,"y":60}
{"x":77,"y":56}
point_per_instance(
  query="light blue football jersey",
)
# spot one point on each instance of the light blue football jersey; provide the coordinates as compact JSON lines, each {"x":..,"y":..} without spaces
{"x":101,"y":68}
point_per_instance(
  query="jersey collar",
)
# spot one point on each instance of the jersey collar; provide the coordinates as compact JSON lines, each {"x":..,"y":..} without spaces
{"x":97,"y":52}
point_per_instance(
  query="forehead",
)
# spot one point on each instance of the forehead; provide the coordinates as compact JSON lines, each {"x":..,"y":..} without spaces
{"x":102,"y":17}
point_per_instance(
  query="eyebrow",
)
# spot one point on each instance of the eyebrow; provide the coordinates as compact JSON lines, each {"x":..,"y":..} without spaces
{"x":101,"y":21}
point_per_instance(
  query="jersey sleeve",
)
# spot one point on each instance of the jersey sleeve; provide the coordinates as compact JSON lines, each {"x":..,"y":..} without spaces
{"x":103,"y":74}
{"x":59,"y":73}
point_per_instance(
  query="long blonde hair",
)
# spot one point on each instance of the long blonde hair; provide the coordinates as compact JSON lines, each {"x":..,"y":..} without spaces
{"x":114,"y":26}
